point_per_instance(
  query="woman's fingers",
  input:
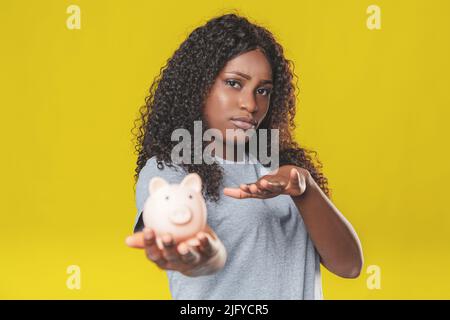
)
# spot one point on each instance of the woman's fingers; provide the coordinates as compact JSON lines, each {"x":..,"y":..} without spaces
{"x":237,"y":193}
{"x":266,"y":187}
{"x":186,"y":253}
{"x":197,"y":249}
{"x":254,"y":191}
{"x":136,"y":240}
{"x":244,"y":187}
{"x":152,"y":251}
{"x":206,"y":244}
{"x":168,"y":256}
{"x":271,"y":186}
{"x":259,"y":191}
{"x":170,"y":252}
{"x":253,"y":188}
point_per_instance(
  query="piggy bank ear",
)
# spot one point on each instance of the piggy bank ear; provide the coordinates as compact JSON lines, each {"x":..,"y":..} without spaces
{"x":192,"y":181}
{"x":156,"y":184}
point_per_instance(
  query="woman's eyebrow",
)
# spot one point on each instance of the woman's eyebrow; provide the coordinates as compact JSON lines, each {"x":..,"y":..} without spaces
{"x":246,"y":76}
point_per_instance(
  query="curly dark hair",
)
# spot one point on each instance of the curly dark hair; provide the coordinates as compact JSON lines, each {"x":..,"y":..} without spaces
{"x":177,"y":95}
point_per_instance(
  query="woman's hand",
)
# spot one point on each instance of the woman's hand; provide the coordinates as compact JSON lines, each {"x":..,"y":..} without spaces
{"x":201,"y":255}
{"x":288,"y":179}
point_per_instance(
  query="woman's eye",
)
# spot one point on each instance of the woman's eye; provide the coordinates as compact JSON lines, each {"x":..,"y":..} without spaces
{"x":231,"y":83}
{"x":190,"y":196}
{"x":266,"y":91}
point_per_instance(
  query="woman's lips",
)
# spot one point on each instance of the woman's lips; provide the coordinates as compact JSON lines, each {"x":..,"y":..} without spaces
{"x":242,"y":124}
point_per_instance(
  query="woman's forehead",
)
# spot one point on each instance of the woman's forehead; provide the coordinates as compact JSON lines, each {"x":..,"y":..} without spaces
{"x":253,"y":64}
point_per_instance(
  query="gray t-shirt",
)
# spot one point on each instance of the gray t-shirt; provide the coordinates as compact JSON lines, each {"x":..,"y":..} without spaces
{"x":270,"y":254}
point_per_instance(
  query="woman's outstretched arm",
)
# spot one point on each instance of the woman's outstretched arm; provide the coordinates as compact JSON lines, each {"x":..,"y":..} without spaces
{"x":334,"y":237}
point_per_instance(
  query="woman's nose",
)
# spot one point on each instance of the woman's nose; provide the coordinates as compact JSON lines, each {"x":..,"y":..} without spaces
{"x":248,"y":102}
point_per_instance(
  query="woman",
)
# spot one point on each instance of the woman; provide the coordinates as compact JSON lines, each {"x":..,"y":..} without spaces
{"x":267,"y":231}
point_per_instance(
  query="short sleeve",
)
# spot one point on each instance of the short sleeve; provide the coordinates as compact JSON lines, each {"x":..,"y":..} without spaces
{"x":172,"y":175}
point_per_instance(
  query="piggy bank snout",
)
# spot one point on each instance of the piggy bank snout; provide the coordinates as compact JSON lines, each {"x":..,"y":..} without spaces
{"x":180,"y":216}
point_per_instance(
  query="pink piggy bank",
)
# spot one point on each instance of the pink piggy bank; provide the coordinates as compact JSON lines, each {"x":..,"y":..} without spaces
{"x":178,"y":209}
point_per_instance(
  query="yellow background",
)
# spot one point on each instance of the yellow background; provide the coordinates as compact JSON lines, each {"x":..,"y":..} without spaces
{"x":374,"y":104}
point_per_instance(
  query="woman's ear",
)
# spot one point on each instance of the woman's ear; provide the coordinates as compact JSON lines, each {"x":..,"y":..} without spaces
{"x":156,"y":184}
{"x":192,"y":181}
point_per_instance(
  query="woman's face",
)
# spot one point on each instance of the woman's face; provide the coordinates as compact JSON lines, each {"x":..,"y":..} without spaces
{"x":239,"y":98}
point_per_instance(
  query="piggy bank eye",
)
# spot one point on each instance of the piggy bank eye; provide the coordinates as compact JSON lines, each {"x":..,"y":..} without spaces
{"x":167,"y":197}
{"x":190,"y":196}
